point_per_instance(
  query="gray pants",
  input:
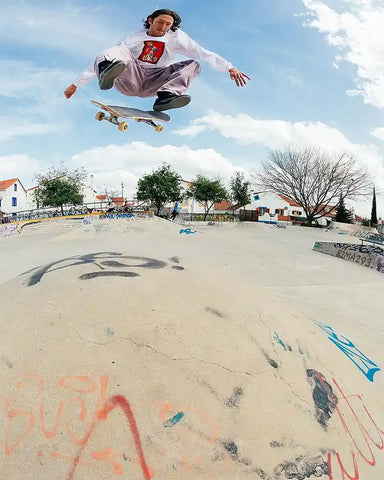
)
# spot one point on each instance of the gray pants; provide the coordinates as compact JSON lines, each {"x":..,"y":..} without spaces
{"x":136,"y":81}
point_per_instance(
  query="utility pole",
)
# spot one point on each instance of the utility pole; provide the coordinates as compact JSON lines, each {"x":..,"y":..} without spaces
{"x":122,"y":189}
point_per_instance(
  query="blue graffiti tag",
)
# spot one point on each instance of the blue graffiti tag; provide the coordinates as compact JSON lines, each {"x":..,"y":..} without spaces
{"x":363,"y":363}
{"x":278,"y":339}
{"x":172,"y":421}
{"x":187,"y":231}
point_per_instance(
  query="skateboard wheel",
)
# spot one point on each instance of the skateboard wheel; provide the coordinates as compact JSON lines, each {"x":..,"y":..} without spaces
{"x":99,"y":116}
{"x":123,"y":126}
{"x":159,"y":128}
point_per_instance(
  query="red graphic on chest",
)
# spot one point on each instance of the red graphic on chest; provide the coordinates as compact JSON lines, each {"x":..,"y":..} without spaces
{"x":152,"y":52}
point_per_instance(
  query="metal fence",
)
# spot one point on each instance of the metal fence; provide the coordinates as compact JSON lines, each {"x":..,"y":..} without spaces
{"x":68,"y":210}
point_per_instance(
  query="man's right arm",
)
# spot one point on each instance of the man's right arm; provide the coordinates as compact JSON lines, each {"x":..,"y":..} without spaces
{"x":86,"y":76}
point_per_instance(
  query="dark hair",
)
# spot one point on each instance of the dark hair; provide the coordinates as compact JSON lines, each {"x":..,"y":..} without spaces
{"x":164,"y":11}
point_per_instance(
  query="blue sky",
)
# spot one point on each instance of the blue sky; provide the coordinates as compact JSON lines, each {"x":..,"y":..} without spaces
{"x":317,"y":70}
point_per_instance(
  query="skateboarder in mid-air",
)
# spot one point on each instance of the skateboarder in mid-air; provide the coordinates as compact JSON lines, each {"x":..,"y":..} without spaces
{"x":141,"y":66}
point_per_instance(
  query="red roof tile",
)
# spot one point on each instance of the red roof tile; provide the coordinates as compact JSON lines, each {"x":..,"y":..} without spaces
{"x":289,"y":200}
{"x":223,"y":206}
{"x":4,"y":184}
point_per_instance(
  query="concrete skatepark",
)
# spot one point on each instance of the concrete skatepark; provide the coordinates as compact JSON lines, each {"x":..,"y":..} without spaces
{"x":139,"y":348}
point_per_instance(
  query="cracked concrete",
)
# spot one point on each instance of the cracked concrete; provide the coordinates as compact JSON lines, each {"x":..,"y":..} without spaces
{"x":193,"y":357}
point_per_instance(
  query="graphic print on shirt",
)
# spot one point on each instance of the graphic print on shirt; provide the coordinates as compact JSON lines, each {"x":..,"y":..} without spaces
{"x":152,"y":51}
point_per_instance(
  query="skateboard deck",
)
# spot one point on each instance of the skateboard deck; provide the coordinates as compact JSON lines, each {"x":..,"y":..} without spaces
{"x":116,"y":111}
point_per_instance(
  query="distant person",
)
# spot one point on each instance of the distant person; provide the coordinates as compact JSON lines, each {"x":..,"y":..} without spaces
{"x":141,"y":65}
{"x":110,"y":207}
{"x":175,"y":211}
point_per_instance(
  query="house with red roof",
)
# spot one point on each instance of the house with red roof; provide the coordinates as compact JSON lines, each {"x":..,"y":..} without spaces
{"x":272,"y":208}
{"x":13,"y":196}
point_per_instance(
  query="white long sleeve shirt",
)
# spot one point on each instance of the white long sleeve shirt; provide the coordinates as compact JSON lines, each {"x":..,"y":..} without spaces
{"x":152,"y":52}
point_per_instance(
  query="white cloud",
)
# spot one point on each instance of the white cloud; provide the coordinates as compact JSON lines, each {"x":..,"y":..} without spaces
{"x":271,"y":133}
{"x":355,"y":28}
{"x":277,"y":134}
{"x":112,"y":164}
{"x":22,"y":166}
{"x":378,"y":132}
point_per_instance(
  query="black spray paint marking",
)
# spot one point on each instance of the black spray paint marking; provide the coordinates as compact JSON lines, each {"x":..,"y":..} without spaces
{"x":7,"y":362}
{"x":270,"y":361}
{"x":215,"y":312}
{"x":89,"y":276}
{"x":100,"y":261}
{"x":323,"y":396}
{"x":276,"y":444}
{"x":109,"y":331}
{"x":302,"y":468}
{"x":232,"y":449}
{"x":233,"y":401}
{"x":262,"y":474}
{"x":174,"y":259}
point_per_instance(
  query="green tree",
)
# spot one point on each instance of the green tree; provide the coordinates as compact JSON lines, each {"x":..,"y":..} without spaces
{"x":59,"y":186}
{"x":374,"y":209}
{"x":207,"y":192}
{"x":160,"y":187}
{"x":240,"y":189}
{"x":343,"y":215}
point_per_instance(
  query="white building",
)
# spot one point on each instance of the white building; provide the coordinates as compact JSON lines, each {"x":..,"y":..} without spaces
{"x":273,"y":207}
{"x":13,"y":196}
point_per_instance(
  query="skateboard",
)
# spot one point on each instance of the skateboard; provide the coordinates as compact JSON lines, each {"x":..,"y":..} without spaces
{"x":116,"y":111}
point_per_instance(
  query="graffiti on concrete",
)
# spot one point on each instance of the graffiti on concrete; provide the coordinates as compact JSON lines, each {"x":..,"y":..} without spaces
{"x":115,"y":216}
{"x":187,"y":231}
{"x":175,"y":419}
{"x":364,"y":431}
{"x":302,"y":467}
{"x":363,"y":363}
{"x":8,"y":230}
{"x":234,"y":400}
{"x":84,"y":405}
{"x":103,"y":264}
{"x":378,"y":263}
{"x":361,"y":233}
{"x":280,"y":342}
{"x":365,"y":255}
{"x":324,"y":398}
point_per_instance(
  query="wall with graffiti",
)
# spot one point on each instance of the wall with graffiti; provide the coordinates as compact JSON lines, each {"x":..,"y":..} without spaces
{"x":365,"y":255}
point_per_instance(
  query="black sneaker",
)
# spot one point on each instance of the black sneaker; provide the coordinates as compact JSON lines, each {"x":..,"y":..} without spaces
{"x":167,"y":101}
{"x":108,"y":71}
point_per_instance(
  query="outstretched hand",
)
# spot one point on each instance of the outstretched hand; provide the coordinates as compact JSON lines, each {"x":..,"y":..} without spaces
{"x":238,"y":77}
{"x":69,"y":91}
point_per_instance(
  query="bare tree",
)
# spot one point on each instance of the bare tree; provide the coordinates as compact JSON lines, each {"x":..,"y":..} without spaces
{"x":313,"y":179}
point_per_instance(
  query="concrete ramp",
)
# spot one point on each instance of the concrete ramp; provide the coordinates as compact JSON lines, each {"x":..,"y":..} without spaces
{"x":135,"y":349}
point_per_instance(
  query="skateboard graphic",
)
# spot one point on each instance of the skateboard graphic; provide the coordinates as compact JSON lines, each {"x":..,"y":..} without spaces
{"x":116,"y":111}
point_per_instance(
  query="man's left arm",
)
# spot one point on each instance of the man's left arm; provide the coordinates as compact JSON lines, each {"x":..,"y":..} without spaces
{"x":192,"y":49}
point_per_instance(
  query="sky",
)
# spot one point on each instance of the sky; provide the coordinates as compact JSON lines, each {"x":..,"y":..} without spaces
{"x":317,"y":79}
